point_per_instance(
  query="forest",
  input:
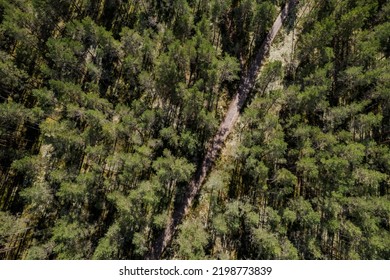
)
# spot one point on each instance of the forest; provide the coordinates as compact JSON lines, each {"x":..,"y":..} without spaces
{"x":109,"y":108}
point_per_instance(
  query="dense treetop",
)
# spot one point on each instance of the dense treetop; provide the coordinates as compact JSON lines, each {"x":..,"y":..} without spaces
{"x":107,"y":106}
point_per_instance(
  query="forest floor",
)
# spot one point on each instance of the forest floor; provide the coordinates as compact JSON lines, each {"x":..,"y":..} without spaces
{"x":281,"y":50}
{"x":247,"y":83}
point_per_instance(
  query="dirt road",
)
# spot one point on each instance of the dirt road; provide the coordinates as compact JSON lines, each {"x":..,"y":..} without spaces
{"x":247,"y":83}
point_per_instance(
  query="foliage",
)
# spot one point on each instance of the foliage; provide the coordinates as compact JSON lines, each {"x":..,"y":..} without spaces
{"x":107,"y":109}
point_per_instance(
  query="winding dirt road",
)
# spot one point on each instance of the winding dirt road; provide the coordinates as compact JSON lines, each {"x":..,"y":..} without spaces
{"x":247,"y":83}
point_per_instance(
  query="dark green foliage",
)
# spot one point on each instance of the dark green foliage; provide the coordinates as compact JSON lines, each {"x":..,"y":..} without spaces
{"x":106,"y":109}
{"x":306,"y":159}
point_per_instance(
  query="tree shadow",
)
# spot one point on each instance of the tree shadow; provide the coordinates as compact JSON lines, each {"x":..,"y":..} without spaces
{"x":291,"y":16}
